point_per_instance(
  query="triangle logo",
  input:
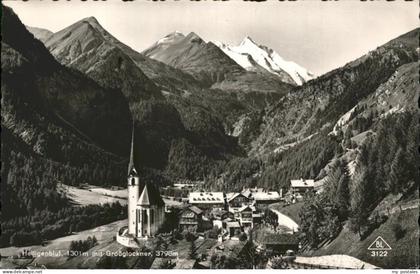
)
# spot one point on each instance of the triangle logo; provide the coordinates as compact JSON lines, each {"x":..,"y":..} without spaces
{"x":379,"y":244}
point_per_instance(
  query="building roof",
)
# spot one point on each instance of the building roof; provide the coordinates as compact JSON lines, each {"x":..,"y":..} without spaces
{"x":266,"y":196}
{"x":206,"y":198}
{"x":302,"y":183}
{"x":233,"y":224}
{"x":245,"y":207}
{"x":194,"y":209}
{"x":132,"y":165}
{"x":158,"y":262}
{"x":280,"y":239}
{"x":185,"y":263}
{"x":260,"y":194}
{"x":221,"y":214}
{"x":320,"y":183}
{"x":149,"y":195}
{"x":229,"y":195}
{"x":248,"y":192}
{"x":233,"y":195}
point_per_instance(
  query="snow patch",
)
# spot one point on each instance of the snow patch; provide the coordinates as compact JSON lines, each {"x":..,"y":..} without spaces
{"x":250,"y":56}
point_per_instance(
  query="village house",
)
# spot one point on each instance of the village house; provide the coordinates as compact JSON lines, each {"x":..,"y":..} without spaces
{"x":191,"y":219}
{"x":237,"y":199}
{"x":244,"y":216}
{"x":188,"y":186}
{"x":207,"y":200}
{"x":257,"y":217}
{"x":278,"y":244}
{"x":261,"y":196}
{"x":232,"y":229}
{"x":299,"y":187}
{"x":218,"y":215}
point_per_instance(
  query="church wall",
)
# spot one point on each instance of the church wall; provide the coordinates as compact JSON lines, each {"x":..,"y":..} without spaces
{"x":133,"y":196}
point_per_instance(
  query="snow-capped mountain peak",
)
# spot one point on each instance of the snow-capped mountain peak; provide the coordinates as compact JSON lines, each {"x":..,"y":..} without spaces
{"x":247,"y":40}
{"x":171,"y":37}
{"x":254,"y":57}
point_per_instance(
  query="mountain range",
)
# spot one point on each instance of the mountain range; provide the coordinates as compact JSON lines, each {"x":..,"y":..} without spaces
{"x":192,"y":54}
{"x":218,"y":83}
{"x":233,"y":116}
{"x":254,"y":57}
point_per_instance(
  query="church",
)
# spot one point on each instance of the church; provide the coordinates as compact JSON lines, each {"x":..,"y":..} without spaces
{"x":146,"y":209}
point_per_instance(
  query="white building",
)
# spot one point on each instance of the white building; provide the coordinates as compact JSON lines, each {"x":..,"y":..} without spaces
{"x":301,"y":186}
{"x":146,"y":209}
{"x":244,"y":215}
{"x":262,"y":196}
{"x":205,"y":200}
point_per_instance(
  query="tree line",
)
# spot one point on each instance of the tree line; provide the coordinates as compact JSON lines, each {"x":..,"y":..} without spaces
{"x":386,"y":163}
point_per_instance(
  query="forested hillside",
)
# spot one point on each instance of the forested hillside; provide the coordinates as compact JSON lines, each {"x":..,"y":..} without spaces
{"x":161,"y":123}
{"x":56,"y":127}
{"x":198,"y":115}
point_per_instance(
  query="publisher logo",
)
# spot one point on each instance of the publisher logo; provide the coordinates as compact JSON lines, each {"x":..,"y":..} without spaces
{"x":379,"y":244}
{"x":379,"y":248}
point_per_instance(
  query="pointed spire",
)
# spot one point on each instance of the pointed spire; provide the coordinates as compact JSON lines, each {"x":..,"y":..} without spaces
{"x":131,"y":165}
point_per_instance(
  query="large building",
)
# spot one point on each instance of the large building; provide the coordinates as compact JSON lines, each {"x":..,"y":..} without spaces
{"x":301,"y":186}
{"x":262,"y":196}
{"x":146,"y":209}
{"x":207,"y":200}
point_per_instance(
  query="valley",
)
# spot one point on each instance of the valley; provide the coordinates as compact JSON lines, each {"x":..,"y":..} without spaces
{"x":240,"y":120}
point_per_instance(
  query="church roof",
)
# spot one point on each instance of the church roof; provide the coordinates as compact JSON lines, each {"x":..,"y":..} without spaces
{"x":149,"y":195}
{"x":132,"y":165}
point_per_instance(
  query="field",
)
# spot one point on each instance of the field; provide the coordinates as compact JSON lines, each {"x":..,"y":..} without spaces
{"x":117,"y":193}
{"x":104,"y":234}
{"x":88,"y":195}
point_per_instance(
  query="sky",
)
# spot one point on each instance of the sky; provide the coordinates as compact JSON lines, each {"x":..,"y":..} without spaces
{"x":319,"y":36}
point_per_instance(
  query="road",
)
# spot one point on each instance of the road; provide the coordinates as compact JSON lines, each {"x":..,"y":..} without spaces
{"x":335,"y":261}
{"x":325,"y":262}
{"x":286,"y":221}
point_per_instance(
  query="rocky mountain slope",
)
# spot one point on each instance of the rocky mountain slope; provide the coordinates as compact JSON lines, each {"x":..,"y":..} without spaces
{"x":198,"y":114}
{"x":57,"y":126}
{"x":190,"y":53}
{"x":39,"y":33}
{"x":254,"y":57}
{"x":212,"y":66}
{"x":321,"y":102}
{"x":89,"y":48}
{"x":71,"y":99}
{"x":299,"y":136}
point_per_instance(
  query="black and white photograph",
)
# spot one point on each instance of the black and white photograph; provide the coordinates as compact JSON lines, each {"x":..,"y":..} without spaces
{"x":210,"y":135}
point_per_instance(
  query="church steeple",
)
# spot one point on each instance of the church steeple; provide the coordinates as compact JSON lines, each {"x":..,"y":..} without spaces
{"x":132,"y":164}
